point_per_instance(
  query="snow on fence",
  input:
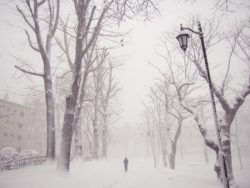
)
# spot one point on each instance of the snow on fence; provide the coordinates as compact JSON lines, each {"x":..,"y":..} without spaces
{"x":10,"y":164}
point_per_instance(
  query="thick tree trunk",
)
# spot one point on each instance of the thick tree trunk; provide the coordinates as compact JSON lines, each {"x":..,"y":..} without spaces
{"x":174,"y":145}
{"x":104,"y":137}
{"x":226,"y":147}
{"x":50,"y":113}
{"x":154,"y":157}
{"x":225,"y":125}
{"x":64,"y":158}
{"x":78,"y":139}
{"x":96,"y":144}
{"x":76,"y":121}
{"x":163,"y":142}
{"x":152,"y":143}
{"x":90,"y":149}
{"x":238,"y":144}
{"x":71,"y":101}
{"x":95,"y":130}
{"x":172,"y":156}
{"x":104,"y":143}
{"x":164,"y":155}
{"x":210,"y":143}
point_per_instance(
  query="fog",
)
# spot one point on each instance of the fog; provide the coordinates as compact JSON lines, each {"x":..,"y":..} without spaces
{"x":137,"y":117}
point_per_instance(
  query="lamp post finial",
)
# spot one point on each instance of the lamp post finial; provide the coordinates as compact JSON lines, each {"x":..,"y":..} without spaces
{"x":181,"y":27}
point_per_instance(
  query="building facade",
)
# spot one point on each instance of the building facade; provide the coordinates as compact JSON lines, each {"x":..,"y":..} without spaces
{"x":15,"y":125}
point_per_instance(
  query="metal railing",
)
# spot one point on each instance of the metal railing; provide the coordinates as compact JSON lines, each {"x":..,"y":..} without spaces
{"x":10,"y":164}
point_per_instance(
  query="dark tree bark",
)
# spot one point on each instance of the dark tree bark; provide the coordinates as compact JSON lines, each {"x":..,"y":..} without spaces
{"x":96,"y":128}
{"x":172,"y":156}
{"x":105,"y":136}
{"x":164,"y":154}
{"x":43,"y":47}
{"x":174,"y":144}
{"x":83,"y":44}
{"x":88,"y":27}
{"x":50,"y":113}
{"x":64,"y":159}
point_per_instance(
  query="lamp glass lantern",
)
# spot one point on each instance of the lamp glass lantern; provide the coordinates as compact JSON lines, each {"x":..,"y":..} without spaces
{"x":183,"y":40}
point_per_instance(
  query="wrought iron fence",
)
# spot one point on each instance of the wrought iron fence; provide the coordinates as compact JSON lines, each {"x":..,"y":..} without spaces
{"x":10,"y":164}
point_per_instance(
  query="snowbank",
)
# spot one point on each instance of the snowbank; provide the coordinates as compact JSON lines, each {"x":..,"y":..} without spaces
{"x":110,"y":174}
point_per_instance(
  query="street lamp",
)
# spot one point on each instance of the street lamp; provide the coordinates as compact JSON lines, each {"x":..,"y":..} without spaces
{"x":183,"y":41}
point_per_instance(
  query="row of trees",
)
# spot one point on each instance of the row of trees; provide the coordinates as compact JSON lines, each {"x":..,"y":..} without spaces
{"x":92,"y":86}
{"x":179,"y":95}
{"x":78,"y":35}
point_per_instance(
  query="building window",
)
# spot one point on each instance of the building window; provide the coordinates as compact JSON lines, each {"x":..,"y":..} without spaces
{"x":19,"y":137}
{"x":20,"y":125}
{"x":22,"y":114}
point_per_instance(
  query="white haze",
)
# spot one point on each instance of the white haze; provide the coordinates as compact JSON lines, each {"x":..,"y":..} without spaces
{"x":135,"y":76}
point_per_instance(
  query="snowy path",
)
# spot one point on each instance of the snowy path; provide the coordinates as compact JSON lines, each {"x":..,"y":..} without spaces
{"x":110,"y":174}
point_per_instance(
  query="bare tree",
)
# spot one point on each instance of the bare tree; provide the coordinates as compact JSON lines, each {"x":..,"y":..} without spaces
{"x":104,"y":90}
{"x":157,"y":99}
{"x":82,"y":45}
{"x":108,"y":93}
{"x":169,"y":129}
{"x":31,"y":12}
{"x":87,"y":131}
{"x":88,"y":26}
{"x":97,"y":77}
{"x":175,"y":131}
{"x":229,"y":6}
{"x":149,"y":122}
{"x":184,"y":88}
{"x":179,"y":85}
{"x":224,"y":6}
{"x":94,"y":87}
{"x":239,"y":45}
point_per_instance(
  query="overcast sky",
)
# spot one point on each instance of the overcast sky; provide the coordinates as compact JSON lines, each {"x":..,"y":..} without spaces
{"x":136,"y":75}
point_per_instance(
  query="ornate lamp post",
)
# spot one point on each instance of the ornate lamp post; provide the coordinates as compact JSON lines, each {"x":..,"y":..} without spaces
{"x":183,"y":41}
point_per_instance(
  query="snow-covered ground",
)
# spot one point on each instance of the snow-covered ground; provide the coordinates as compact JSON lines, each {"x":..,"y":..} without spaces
{"x":110,"y":174}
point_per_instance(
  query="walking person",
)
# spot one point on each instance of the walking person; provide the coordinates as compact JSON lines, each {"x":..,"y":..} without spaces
{"x":125,"y":164}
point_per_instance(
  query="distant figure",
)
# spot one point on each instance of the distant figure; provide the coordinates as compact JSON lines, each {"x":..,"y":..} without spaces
{"x":125,"y":164}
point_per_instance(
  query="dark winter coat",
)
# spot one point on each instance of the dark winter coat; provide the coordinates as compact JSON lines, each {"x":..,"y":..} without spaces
{"x":125,"y":164}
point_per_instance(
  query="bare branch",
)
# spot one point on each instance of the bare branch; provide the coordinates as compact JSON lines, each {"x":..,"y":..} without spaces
{"x":64,"y":74}
{"x":96,"y":31}
{"x":41,"y":3}
{"x":29,"y":72}
{"x":57,"y":18}
{"x":89,"y":22}
{"x":30,"y":42}
{"x":228,"y":66}
{"x":25,"y":18}
{"x":217,"y":93}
